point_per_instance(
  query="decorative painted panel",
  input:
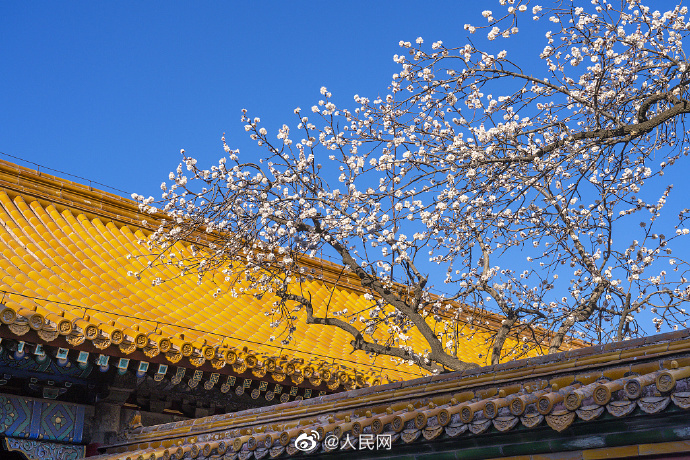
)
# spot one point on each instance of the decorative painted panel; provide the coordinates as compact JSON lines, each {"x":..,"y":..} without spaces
{"x":38,"y":450}
{"x":36,"y":419}
{"x":46,"y":365}
{"x":15,"y":416}
{"x":60,"y":422}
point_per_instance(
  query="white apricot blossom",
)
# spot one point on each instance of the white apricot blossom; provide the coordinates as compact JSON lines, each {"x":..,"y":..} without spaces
{"x":536,"y":194}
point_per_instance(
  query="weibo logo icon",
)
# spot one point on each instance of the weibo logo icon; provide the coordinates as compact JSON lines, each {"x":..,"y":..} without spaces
{"x":306,"y":442}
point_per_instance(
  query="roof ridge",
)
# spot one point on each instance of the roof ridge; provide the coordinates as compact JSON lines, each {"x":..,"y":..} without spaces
{"x":630,"y":354}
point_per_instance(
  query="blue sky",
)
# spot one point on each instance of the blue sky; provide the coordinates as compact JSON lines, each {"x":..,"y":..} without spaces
{"x":112,"y":91}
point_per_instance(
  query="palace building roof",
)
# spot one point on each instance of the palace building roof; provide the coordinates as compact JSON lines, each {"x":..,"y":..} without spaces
{"x":619,"y":400}
{"x":65,"y":253}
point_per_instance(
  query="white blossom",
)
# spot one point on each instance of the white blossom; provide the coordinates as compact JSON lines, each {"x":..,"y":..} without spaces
{"x":527,"y":191}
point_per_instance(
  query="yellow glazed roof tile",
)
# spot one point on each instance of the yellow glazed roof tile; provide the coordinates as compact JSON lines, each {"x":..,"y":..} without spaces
{"x":78,"y":253}
{"x":523,"y":394}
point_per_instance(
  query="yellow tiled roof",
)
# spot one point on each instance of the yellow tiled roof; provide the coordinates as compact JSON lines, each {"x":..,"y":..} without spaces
{"x":635,"y":378}
{"x":66,"y":250}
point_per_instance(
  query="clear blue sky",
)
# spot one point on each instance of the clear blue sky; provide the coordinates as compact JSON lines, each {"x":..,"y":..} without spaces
{"x":112,"y":90}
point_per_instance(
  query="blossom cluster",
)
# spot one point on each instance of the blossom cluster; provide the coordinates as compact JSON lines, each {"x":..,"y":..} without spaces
{"x":530,"y":193}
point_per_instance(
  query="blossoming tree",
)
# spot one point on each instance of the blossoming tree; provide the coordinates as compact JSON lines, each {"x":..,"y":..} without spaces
{"x":536,"y":195}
